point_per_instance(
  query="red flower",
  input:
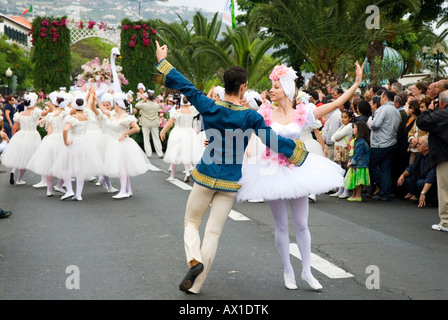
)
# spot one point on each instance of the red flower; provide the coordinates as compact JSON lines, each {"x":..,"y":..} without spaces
{"x":132,"y":44}
{"x":91,"y":24}
{"x":154,"y":31}
{"x":126,"y":27}
{"x":55,"y":23}
{"x":145,"y":27}
{"x":133,"y":37}
{"x":43,"y":30}
{"x":45,"y":23}
{"x":43,"y":35}
{"x":63,"y":22}
{"x":136,"y":27}
{"x":146,"y":42}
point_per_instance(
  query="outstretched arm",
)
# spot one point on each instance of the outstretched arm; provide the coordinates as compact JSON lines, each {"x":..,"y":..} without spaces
{"x":171,"y":78}
{"x":328,"y":108}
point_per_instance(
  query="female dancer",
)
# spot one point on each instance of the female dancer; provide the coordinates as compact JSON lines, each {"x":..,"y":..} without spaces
{"x":44,"y":158}
{"x":25,"y":142}
{"x":273,"y":179}
{"x":184,"y":145}
{"x":124,"y":157}
{"x":80,"y":159}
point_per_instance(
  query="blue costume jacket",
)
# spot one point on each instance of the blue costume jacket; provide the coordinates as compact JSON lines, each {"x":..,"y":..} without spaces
{"x":228,"y":128}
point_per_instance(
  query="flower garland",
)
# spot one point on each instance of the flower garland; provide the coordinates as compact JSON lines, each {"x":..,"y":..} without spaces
{"x":94,"y":71}
{"x":300,"y":115}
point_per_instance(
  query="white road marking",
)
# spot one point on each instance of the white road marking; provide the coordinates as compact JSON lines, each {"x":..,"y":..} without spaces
{"x":235,"y":215}
{"x":320,"y":264}
{"x":181,"y":185}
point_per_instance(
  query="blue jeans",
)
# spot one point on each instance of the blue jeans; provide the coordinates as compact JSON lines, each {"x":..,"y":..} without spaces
{"x":381,"y":169}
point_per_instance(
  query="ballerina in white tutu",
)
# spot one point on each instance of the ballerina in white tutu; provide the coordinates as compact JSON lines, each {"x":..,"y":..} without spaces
{"x":123,"y":156}
{"x":275,"y":180}
{"x":25,"y":142}
{"x":80,"y":159}
{"x":184,"y":144}
{"x":53,"y":144}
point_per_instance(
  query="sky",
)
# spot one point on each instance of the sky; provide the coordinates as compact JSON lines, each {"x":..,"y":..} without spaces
{"x":209,"y":5}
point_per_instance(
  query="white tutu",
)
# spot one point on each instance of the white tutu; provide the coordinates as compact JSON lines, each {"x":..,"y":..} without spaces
{"x":125,"y":155}
{"x":20,"y":149}
{"x":184,"y":147}
{"x":80,"y":159}
{"x":184,"y":144}
{"x":44,"y":158}
{"x":268,"y":181}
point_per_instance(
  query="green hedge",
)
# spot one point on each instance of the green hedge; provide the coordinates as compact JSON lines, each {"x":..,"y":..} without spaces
{"x":51,"y":53}
{"x":138,"y":52}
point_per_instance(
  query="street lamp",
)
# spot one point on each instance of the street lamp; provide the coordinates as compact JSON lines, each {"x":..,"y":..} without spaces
{"x":140,"y":2}
{"x":9,"y":75}
{"x":438,"y":54}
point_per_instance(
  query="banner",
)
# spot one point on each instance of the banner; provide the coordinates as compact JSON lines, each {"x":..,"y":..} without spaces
{"x":228,"y":16}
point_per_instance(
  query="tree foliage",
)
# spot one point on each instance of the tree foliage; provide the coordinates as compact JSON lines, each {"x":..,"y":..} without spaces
{"x":14,"y":57}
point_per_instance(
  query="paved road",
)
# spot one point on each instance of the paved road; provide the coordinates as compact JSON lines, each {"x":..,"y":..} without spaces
{"x":133,"y":249}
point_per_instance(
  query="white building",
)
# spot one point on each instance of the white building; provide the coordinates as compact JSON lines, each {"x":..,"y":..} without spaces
{"x":16,"y":28}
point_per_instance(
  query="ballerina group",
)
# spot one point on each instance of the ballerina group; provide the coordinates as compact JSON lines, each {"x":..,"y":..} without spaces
{"x":85,"y":139}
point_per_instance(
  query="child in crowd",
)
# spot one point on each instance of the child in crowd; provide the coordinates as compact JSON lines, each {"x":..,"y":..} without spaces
{"x":358,"y":166}
{"x":341,"y":140}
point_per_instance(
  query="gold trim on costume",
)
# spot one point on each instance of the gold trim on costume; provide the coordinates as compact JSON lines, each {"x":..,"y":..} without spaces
{"x":231,"y":106}
{"x":213,"y":183}
{"x":300,"y":154}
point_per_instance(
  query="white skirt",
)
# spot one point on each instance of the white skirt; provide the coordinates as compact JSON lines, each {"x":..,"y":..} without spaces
{"x":20,"y":149}
{"x":125,"y":157}
{"x":44,"y":157}
{"x":261,"y":179}
{"x":184,"y":147}
{"x":81,"y":159}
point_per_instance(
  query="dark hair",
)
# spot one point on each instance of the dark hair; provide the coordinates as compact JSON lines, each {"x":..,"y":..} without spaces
{"x":79,"y":102}
{"x":151,"y":96}
{"x":375,"y":89}
{"x":422,"y":87}
{"x":8,"y":98}
{"x":376,"y":100}
{"x":234,"y":77}
{"x":364,"y":108}
{"x":348,"y":112}
{"x":390,"y":95}
{"x":59,"y":100}
{"x":415,"y":106}
{"x":363,"y":131}
{"x":380,"y":91}
{"x":392,"y":81}
{"x":27,"y":103}
{"x":314,"y":94}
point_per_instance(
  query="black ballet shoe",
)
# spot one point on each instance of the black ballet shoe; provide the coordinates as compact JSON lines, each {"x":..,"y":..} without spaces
{"x":190,"y":277}
{"x":11,"y":178}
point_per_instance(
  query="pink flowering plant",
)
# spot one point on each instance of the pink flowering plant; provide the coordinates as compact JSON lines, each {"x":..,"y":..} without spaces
{"x":97,"y":72}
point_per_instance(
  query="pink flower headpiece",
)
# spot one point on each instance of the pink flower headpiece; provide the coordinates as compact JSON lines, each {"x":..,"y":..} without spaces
{"x":287,"y":77}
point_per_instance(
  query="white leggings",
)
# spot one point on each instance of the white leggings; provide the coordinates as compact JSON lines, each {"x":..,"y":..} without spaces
{"x":300,"y":211}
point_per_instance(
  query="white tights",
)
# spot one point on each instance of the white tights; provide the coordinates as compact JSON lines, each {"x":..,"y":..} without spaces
{"x":300,"y":211}
{"x":174,"y":167}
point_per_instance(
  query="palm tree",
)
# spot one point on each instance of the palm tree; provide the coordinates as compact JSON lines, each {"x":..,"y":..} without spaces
{"x":240,"y":48}
{"x":324,"y":30}
{"x":180,"y":38}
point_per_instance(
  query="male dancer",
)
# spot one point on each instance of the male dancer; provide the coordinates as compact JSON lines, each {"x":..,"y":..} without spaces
{"x":216,"y":176}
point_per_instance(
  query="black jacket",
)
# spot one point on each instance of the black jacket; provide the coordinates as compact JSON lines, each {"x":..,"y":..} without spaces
{"x":436,"y":123}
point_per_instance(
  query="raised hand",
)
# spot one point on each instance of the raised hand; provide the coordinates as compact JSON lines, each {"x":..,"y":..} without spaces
{"x":161,"y":51}
{"x":359,"y":72}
